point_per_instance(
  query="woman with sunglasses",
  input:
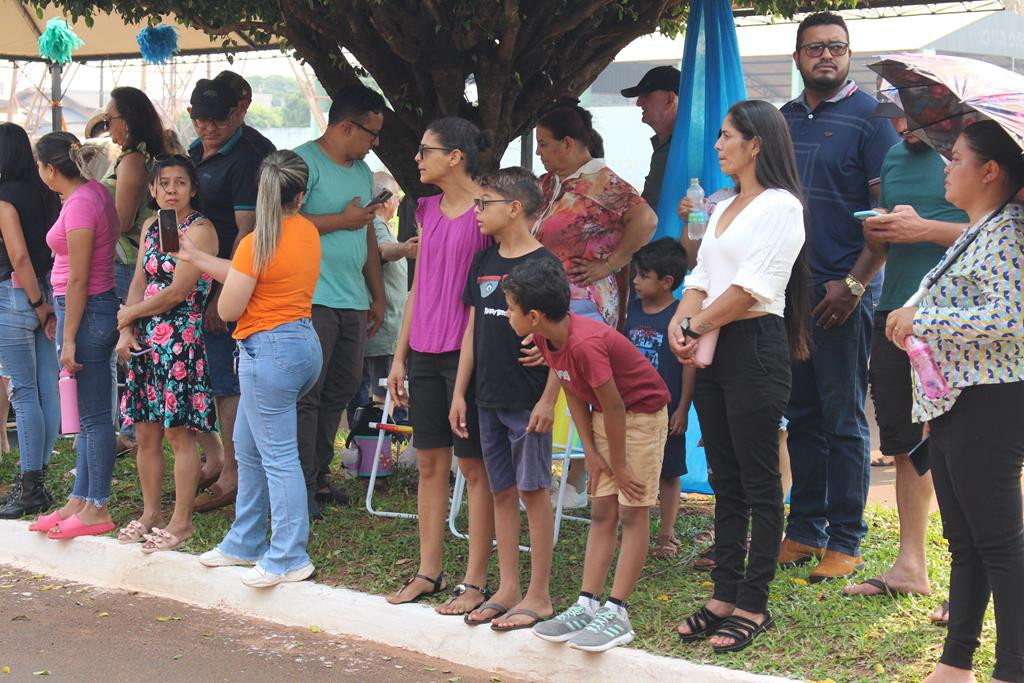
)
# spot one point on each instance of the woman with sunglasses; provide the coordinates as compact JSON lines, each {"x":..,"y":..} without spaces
{"x":167,"y":388}
{"x":135,"y":126}
{"x":430,"y":339}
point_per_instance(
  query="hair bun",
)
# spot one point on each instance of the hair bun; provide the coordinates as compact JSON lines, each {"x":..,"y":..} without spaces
{"x":486,"y":140}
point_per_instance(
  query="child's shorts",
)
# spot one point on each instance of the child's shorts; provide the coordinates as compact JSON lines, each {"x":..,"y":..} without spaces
{"x":512,"y":455}
{"x":431,"y":385}
{"x":645,"y":449}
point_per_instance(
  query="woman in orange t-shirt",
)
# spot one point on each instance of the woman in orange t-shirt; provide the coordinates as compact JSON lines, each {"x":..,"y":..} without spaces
{"x":268,"y":289}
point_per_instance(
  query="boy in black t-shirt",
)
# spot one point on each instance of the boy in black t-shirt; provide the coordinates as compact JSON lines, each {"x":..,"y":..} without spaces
{"x":515,"y":403}
{"x":660,"y":267}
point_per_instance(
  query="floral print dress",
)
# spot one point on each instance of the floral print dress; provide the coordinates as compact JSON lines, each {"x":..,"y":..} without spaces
{"x":170,"y":385}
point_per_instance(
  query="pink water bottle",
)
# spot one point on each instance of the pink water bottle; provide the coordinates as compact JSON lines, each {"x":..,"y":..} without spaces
{"x":923,"y":362}
{"x":68,"y":386}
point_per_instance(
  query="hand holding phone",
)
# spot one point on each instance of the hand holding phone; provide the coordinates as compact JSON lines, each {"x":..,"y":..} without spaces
{"x":380,"y":198}
{"x":168,"y":225}
{"x":861,"y":215}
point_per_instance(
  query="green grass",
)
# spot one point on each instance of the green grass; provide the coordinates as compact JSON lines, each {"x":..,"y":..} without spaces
{"x":820,"y":635}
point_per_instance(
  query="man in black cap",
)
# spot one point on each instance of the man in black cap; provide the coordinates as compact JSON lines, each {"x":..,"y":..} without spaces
{"x":243,"y":91}
{"x":656,"y":96}
{"x":228,"y":167}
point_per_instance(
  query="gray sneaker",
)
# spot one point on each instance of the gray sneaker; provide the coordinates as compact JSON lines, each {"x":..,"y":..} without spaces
{"x":564,"y":626}
{"x":605,"y":631}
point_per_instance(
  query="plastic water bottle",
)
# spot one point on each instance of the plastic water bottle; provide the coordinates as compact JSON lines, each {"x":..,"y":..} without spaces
{"x":697,"y":219}
{"x":923,"y":362}
{"x":68,"y":386}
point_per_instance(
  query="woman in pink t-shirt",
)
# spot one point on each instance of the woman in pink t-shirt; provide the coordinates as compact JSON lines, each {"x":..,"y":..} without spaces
{"x":430,"y":338}
{"x":82,"y":240}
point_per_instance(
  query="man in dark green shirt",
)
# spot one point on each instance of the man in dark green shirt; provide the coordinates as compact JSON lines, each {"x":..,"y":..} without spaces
{"x":656,"y":96}
{"x":916,"y":227}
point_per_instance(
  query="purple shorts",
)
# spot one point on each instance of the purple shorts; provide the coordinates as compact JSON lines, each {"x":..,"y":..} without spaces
{"x":513,"y":456}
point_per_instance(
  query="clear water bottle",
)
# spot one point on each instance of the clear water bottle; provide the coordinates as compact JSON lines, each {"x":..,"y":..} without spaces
{"x":923,"y":362}
{"x":697,"y":219}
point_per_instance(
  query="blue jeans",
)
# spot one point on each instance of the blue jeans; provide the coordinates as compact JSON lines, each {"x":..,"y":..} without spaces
{"x":829,"y":441}
{"x":275,"y":369}
{"x":97,"y":334}
{"x":30,"y":359}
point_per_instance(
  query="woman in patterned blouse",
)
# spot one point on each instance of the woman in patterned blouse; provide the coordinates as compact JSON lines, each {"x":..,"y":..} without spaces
{"x":973,"y":319}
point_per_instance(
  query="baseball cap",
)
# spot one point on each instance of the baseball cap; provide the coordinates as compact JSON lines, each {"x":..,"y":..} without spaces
{"x":243,"y":91}
{"x":658,"y":78}
{"x":212,"y":99}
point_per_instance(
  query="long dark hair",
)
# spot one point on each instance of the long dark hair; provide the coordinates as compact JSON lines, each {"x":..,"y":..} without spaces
{"x":61,"y":150}
{"x":17,"y":163}
{"x":573,"y":121}
{"x":144,"y":124}
{"x":775,"y":168}
{"x":464,"y":135}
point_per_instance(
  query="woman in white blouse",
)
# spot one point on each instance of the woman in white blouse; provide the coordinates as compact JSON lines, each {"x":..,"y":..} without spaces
{"x":750,"y":286}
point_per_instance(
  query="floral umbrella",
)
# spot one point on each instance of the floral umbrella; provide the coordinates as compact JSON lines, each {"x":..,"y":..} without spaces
{"x":942,"y":94}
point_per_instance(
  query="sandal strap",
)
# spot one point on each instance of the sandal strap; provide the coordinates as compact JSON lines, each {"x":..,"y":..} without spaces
{"x":737,"y":627}
{"x":429,"y":579}
{"x":701,"y":619}
{"x":462,"y":587}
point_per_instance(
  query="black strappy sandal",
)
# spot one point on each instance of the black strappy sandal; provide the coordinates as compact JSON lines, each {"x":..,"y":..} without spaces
{"x":702,"y":624}
{"x":438,"y":584}
{"x":459,"y":590}
{"x":742,"y":630}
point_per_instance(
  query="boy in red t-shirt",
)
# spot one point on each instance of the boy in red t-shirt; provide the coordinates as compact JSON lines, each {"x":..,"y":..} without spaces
{"x":618,"y":403}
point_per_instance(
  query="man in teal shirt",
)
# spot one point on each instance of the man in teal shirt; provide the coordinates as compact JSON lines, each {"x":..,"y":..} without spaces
{"x":349,"y":301}
{"x":917,"y":226}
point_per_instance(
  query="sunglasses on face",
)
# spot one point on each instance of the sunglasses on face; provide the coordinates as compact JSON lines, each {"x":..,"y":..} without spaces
{"x":836,"y":49}
{"x":374,"y":134}
{"x":423,"y":149}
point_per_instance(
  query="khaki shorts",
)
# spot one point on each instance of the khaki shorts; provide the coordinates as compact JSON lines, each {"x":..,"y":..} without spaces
{"x":645,"y":449}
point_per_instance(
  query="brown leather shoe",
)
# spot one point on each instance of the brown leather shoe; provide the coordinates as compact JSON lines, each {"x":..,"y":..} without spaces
{"x":835,"y":565}
{"x":213,"y":498}
{"x":793,"y":553}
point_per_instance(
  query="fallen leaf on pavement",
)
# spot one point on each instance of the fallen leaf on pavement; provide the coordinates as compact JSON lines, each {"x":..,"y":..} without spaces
{"x":5,"y":670}
{"x":44,"y":672}
{"x":314,"y":628}
{"x":8,"y":585}
{"x":103,"y":614}
{"x":20,"y":617}
{"x":48,"y":587}
{"x":177,"y":656}
{"x":799,"y":581}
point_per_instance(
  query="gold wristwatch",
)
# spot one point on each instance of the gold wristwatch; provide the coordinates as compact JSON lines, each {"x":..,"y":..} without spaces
{"x":856,"y":288}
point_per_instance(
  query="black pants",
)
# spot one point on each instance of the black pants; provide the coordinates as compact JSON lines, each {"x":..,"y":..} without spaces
{"x":740,"y":399}
{"x":976,"y":452}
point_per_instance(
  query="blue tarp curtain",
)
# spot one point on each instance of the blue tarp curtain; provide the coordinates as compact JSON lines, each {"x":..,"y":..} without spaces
{"x":712,"y":80}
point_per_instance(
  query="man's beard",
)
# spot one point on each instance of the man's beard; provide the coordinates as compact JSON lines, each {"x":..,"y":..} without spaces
{"x":825,"y":83}
{"x":916,"y":146}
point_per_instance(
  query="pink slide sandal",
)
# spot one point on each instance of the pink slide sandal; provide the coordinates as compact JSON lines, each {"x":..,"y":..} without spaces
{"x":44,"y":523}
{"x":73,"y":527}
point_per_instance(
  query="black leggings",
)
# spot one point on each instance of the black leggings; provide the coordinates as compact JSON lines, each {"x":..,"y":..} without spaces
{"x":740,"y":399}
{"x":976,"y":451}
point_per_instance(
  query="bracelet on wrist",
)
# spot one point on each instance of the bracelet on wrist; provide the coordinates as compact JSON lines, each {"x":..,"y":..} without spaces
{"x":40,"y":302}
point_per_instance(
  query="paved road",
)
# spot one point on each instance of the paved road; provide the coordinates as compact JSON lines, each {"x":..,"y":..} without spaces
{"x":83,"y":634}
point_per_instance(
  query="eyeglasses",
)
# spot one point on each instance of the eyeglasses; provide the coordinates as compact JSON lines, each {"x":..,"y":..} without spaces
{"x":374,"y":134}
{"x":203,"y":122}
{"x":481,"y":204}
{"x":425,"y":148}
{"x":107,"y":118}
{"x":836,"y":49}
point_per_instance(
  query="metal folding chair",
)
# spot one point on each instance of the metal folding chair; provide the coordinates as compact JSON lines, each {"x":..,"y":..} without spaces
{"x":376,"y":463}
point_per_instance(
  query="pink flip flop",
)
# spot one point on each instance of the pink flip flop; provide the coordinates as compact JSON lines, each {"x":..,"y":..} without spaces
{"x":73,"y":527}
{"x":44,"y":523}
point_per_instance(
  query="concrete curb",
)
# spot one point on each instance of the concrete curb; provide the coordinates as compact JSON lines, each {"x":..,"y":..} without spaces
{"x":178,"y":576}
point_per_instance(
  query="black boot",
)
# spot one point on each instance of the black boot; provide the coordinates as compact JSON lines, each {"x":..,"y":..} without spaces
{"x":46,"y":491}
{"x":30,"y":497}
{"x":15,"y":487}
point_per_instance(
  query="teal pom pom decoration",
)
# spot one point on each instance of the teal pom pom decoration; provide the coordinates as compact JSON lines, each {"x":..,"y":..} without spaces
{"x":157,"y":43}
{"x":58,"y":40}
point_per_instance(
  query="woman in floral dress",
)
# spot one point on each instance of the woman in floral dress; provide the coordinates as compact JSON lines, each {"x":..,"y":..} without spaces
{"x":167,"y":391}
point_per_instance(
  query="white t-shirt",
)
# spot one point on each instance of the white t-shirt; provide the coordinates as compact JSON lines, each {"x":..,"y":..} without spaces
{"x":756,"y":252}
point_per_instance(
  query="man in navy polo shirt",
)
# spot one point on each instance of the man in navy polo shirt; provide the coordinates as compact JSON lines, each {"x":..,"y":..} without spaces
{"x":228,"y":168}
{"x":839,"y":151}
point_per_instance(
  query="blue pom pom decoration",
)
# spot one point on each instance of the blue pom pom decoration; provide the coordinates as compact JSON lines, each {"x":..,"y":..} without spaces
{"x":58,"y":40}
{"x":157,"y":43}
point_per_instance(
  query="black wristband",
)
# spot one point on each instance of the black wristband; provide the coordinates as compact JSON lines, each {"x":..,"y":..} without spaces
{"x":692,"y":334}
{"x":37,"y":304}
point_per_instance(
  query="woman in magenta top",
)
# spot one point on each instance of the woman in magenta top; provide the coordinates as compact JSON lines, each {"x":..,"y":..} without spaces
{"x":432,"y":328}
{"x":82,"y":240}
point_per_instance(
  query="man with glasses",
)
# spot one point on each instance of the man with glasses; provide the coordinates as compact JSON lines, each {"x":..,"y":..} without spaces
{"x":349,"y":301}
{"x":839,"y":153}
{"x":228,"y":166}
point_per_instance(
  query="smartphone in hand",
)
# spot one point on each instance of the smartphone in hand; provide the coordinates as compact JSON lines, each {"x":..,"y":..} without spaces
{"x":861,"y":215}
{"x":380,"y":198}
{"x":168,"y":224}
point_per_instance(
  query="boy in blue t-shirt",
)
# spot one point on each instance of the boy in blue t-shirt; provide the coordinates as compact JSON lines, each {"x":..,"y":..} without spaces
{"x":515,"y":403}
{"x":660,"y":267}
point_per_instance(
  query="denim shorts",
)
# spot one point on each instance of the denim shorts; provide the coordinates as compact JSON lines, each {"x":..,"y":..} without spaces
{"x":220,"y":360}
{"x":512,"y":455}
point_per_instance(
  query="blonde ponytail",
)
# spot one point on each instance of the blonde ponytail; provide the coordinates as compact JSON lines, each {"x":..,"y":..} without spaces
{"x":283,"y":175}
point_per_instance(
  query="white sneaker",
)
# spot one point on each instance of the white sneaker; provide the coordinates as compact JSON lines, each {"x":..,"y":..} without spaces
{"x":215,"y":558}
{"x":574,"y":499}
{"x":258,"y":577}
